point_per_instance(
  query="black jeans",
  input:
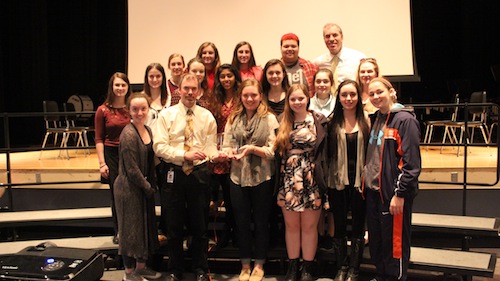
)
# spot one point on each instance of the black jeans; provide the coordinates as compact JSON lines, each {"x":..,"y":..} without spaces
{"x":111,"y":156}
{"x":252,"y":202}
{"x":186,"y":202}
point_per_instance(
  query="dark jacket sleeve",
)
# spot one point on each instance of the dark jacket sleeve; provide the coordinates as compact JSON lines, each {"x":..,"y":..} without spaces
{"x":407,"y":182}
{"x":321,"y":167}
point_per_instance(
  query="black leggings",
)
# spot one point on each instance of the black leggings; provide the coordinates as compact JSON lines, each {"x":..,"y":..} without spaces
{"x":343,"y":201}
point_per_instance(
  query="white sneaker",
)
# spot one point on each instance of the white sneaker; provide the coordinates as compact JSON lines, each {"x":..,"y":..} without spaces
{"x":148,"y":273}
{"x":133,"y":277}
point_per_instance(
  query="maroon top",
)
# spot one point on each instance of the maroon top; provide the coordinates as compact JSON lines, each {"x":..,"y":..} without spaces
{"x":109,"y":123}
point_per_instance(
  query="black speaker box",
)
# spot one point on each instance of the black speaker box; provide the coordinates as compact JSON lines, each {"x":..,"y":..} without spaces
{"x":51,"y":264}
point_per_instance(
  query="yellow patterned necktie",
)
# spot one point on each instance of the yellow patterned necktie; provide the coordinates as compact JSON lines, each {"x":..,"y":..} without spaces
{"x":187,"y":166}
{"x":335,"y":63}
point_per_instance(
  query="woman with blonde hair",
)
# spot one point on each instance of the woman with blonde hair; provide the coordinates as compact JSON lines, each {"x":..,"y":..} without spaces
{"x":249,"y":142}
{"x":367,"y":70}
{"x":176,"y":66}
{"x":391,"y":173}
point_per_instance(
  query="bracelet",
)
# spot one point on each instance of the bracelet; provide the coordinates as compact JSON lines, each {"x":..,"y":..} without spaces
{"x":102,"y":165}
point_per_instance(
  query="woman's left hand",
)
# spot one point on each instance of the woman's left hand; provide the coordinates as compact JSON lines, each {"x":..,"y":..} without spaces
{"x":396,"y":206}
{"x":244,"y":151}
{"x":220,"y":157}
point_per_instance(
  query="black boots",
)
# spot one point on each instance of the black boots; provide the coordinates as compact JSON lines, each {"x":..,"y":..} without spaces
{"x":340,"y":245}
{"x":357,"y":246}
{"x":293,"y":270}
{"x":348,"y":268}
{"x":307,"y":271}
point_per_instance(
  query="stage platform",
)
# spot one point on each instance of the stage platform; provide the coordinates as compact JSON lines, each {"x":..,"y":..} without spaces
{"x":436,"y":166}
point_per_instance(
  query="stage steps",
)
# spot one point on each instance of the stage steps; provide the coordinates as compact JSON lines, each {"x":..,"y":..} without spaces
{"x":442,"y":260}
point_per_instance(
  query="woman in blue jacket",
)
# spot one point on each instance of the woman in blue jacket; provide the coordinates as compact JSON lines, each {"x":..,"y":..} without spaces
{"x":391,"y":180}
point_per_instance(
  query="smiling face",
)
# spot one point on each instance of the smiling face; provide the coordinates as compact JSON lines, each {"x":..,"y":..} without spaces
{"x":139,"y":109}
{"x":198,"y":69}
{"x":120,"y":87}
{"x":381,"y":96}
{"x":189,"y":91}
{"x":348,"y":96}
{"x":155,"y":78}
{"x":298,"y":101}
{"x":208,"y":55}
{"x":244,"y":54}
{"x":290,"y":51}
{"x":227,"y":79}
{"x":176,"y":66}
{"x":322,"y":84}
{"x":250,"y":98}
{"x":274,"y":75}
{"x":367,"y":72}
{"x":333,"y":39}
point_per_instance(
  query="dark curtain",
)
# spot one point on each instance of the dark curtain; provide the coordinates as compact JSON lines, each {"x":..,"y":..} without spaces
{"x":52,"y":49}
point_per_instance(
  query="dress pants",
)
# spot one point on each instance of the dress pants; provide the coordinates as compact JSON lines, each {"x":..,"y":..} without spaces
{"x":186,"y":202}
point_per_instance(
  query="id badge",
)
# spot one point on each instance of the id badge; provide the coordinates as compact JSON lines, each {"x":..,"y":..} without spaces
{"x":170,"y":176}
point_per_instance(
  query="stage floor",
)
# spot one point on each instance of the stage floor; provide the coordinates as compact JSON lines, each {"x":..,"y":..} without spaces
{"x":436,"y":166}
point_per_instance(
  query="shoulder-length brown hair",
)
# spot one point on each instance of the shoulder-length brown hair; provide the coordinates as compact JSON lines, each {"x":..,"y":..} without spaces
{"x":110,"y":98}
{"x":216,"y":62}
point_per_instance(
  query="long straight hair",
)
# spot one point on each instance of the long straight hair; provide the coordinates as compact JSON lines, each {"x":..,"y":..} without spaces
{"x":218,"y":96}
{"x":337,"y":122}
{"x":236,"y":62}
{"x":163,"y":88}
{"x":282,"y":143}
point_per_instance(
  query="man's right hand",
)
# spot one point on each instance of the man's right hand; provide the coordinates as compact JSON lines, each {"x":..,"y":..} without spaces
{"x":194,"y":155}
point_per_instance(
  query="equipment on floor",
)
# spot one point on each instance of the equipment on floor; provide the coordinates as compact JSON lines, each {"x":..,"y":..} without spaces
{"x":48,"y":262}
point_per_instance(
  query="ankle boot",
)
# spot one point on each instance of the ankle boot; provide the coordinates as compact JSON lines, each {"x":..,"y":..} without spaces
{"x":307,"y":271}
{"x":357,"y":246}
{"x":293,"y":270}
{"x":341,"y":273}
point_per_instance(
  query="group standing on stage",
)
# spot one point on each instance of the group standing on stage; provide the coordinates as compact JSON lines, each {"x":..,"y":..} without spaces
{"x":305,"y":142}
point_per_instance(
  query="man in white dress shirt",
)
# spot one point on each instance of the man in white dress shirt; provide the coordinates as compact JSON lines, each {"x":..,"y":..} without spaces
{"x":185,"y":139}
{"x":347,"y":63}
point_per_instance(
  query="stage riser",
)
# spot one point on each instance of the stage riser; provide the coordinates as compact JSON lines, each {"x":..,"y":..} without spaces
{"x":480,"y":202}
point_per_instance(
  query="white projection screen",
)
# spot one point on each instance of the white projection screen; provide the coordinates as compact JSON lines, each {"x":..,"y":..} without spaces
{"x":157,"y":28}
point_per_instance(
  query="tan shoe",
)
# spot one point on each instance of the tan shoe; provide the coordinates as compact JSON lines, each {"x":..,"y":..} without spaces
{"x":244,"y":274}
{"x":257,"y":274}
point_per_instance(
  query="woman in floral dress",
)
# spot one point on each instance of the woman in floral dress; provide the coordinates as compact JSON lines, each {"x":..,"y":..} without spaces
{"x":300,"y":152}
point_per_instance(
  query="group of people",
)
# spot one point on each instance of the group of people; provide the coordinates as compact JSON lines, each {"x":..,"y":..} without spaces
{"x":313,"y":140}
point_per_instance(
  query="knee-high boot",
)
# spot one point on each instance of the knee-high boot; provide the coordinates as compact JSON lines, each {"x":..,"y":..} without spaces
{"x":357,"y":246}
{"x":340,"y":245}
{"x":293,"y":270}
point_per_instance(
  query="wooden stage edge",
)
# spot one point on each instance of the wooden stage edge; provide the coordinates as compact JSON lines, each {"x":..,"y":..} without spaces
{"x":436,"y":166}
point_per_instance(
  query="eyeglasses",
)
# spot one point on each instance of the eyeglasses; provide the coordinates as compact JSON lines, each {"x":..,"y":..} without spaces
{"x":368,"y":60}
